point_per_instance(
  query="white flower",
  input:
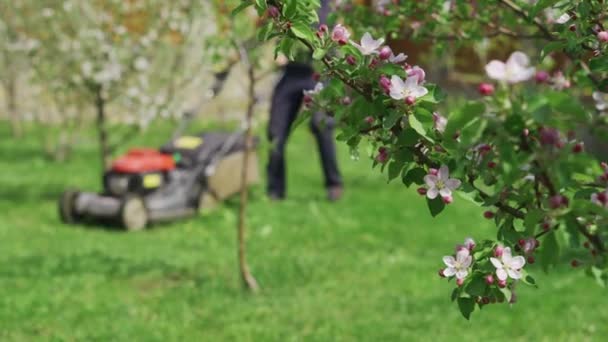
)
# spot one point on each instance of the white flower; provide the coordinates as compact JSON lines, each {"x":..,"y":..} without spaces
{"x":315,"y":91}
{"x":515,"y":70}
{"x":440,"y":122}
{"x":600,"y":198}
{"x":368,"y":46}
{"x":560,"y":82}
{"x":601,"y":100}
{"x":399,"y":89}
{"x":508,"y":266}
{"x":564,"y":18}
{"x":141,"y":63}
{"x":397,"y":59}
{"x":441,"y":183}
{"x":458,"y":266}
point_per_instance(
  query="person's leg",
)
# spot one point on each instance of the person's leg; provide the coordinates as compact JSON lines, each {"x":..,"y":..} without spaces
{"x":284,"y":108}
{"x":322,"y":127}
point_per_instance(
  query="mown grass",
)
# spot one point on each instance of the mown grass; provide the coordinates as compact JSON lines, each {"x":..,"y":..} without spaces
{"x":363,"y":269}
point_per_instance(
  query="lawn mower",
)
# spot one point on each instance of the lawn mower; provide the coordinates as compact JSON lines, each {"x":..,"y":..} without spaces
{"x":187,"y":175}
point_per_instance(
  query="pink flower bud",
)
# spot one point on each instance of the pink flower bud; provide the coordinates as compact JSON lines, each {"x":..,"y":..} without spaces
{"x":525,"y":132}
{"x":307,"y":99}
{"x":448,"y":199}
{"x":369,"y":119}
{"x":340,"y":34}
{"x":382,"y":156}
{"x":502,"y":283}
{"x":421,"y":191}
{"x":574,"y":263}
{"x":385,"y":83}
{"x":541,"y":76}
{"x":410,"y":100}
{"x":273,"y":12}
{"x":491,"y":164}
{"x":323,"y":28}
{"x":577,"y":148}
{"x":485,"y":300}
{"x":488,"y":214}
{"x":351,"y":60}
{"x":346,"y":100}
{"x":417,"y":72}
{"x":459,"y":282}
{"x":531,"y":259}
{"x":489,"y":279}
{"x":316,"y":76}
{"x":486,"y":89}
{"x":441,"y":273}
{"x":558,"y":201}
{"x":498,"y":251}
{"x":602,"y":36}
{"x":385,"y":53}
{"x":433,"y":171}
{"x":572,"y":27}
{"x":373,"y":63}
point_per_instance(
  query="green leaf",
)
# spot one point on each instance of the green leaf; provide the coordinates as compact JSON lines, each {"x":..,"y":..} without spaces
{"x":477,"y":286}
{"x":549,"y":251}
{"x":409,"y":137}
{"x":240,"y":8}
{"x":290,"y":8}
{"x":541,"y":5}
{"x":265,"y":31}
{"x":532,"y":220}
{"x":394,"y":169}
{"x":529,"y":280}
{"x":466,"y":306}
{"x":391,"y":119}
{"x":417,"y":125}
{"x":261,"y":5}
{"x":507,"y":293}
{"x":301,"y":30}
{"x":551,"y":47}
{"x":599,"y":64}
{"x":435,"y":206}
{"x":462,"y":117}
{"x":415,"y":175}
{"x":319,"y":54}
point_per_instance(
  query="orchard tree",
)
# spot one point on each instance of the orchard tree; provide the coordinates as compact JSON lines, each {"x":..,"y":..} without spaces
{"x":514,"y":151}
{"x":135,"y":55}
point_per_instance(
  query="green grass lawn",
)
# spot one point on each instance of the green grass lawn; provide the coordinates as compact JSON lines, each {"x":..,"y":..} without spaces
{"x":363,"y":269}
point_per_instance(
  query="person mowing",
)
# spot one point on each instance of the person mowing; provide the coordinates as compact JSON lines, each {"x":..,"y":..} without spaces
{"x":286,"y":101}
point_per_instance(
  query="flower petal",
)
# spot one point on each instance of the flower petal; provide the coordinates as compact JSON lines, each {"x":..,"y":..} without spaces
{"x":449,"y":261}
{"x":445,"y":192}
{"x":450,"y":271}
{"x":501,"y":274}
{"x":430,"y":180}
{"x":453,"y":183}
{"x":496,"y":263}
{"x":432,"y":193}
{"x":517,"y":262}
{"x":419,"y":91}
{"x":515,"y":274}
{"x":467,"y":261}
{"x":518,"y":59}
{"x":462,"y":273}
{"x":443,"y":173}
{"x":496,"y":70}
{"x":506,"y":254}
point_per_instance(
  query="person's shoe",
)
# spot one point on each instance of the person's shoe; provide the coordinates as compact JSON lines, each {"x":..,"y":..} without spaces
{"x":334,"y":193}
{"x":274,"y":197}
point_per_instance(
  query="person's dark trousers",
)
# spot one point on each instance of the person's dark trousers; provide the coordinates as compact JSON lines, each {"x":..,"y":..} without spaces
{"x":286,"y":103}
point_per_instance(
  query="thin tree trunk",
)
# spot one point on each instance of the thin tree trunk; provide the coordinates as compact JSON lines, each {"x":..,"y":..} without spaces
{"x":104,"y":148}
{"x":248,"y":280}
{"x":11,"y":100}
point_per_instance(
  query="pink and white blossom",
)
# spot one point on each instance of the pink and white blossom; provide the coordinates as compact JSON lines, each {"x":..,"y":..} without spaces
{"x":441,"y":183}
{"x":564,"y":18}
{"x":340,"y":34}
{"x":559,"y":81}
{"x":601,"y":100}
{"x":316,"y":90}
{"x":400,"y":89}
{"x":458,"y":266}
{"x":369,"y":45}
{"x":417,"y":72}
{"x":508,"y":266}
{"x":400,"y":58}
{"x":439,"y":122}
{"x":516,"y":69}
{"x":600,"y":198}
